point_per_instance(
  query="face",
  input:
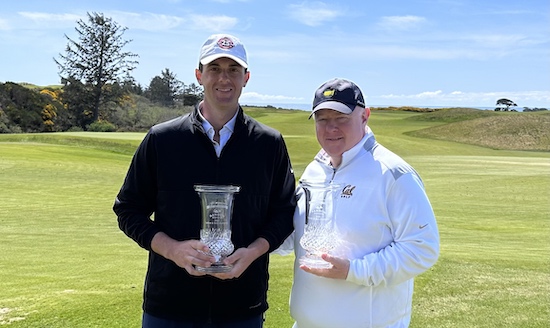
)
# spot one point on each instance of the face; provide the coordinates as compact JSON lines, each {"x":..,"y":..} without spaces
{"x":223,"y":81}
{"x":338,"y":132}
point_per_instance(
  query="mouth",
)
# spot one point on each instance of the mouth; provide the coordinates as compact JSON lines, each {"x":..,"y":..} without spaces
{"x":335,"y":139}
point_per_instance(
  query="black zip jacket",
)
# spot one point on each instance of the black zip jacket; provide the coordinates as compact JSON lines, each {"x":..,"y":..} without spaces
{"x":172,"y":158}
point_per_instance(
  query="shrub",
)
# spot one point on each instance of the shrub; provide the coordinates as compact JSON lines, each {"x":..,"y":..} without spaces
{"x":102,"y":126}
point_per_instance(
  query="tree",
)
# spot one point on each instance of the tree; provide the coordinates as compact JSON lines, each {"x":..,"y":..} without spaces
{"x":130,"y":85}
{"x":94,"y":61}
{"x":193,"y":93}
{"x":26,"y":110}
{"x":504,"y":102}
{"x":164,"y":89}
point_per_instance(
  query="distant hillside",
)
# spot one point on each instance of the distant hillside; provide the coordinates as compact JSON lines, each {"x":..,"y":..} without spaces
{"x":496,"y":130}
{"x":38,"y":87}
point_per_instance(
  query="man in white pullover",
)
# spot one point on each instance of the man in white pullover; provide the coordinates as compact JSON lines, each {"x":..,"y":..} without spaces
{"x":386,"y":224}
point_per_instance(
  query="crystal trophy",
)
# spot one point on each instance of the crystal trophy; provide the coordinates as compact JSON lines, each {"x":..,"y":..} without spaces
{"x":320,"y":235}
{"x":216,"y":210}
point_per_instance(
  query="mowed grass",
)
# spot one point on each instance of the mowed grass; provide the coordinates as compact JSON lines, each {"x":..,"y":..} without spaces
{"x":65,"y":263}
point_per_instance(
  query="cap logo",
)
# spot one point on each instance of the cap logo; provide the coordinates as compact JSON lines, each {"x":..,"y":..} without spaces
{"x":328,"y":93}
{"x":225,"y":43}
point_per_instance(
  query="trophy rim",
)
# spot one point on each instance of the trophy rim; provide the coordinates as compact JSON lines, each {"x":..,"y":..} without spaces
{"x":314,"y":262}
{"x":214,"y":268}
{"x":321,"y":183}
{"x":216,"y":188}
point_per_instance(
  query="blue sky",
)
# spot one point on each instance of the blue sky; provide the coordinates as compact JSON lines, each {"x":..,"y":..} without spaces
{"x":417,"y":53}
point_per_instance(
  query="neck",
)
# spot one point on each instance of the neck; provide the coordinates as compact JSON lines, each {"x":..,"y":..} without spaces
{"x":217,"y":117}
{"x":335,"y":161}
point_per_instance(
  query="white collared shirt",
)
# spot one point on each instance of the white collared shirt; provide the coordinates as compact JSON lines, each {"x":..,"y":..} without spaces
{"x":225,"y":132}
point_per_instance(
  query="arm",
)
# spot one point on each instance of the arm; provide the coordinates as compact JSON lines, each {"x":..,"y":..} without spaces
{"x":136,"y":199}
{"x":287,"y":247}
{"x":415,"y":247}
{"x":282,"y":200}
{"x":185,"y":254}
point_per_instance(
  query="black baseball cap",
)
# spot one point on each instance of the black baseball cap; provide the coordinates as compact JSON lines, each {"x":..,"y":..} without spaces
{"x":338,"y":94}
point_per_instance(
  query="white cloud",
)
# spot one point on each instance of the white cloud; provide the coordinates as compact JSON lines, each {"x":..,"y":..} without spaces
{"x":401,"y":22}
{"x":507,"y":41}
{"x":254,"y":97}
{"x":47,"y":17}
{"x":136,"y":21}
{"x":429,"y":94}
{"x":40,"y":20}
{"x":212,"y":23}
{"x":139,"y":21}
{"x":146,"y":21}
{"x":313,"y":13}
{"x":459,"y":98}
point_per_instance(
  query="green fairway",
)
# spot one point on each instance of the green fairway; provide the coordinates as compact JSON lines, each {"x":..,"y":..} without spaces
{"x":65,"y":263}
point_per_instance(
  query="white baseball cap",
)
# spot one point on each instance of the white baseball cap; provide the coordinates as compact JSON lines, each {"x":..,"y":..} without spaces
{"x":223,"y":45}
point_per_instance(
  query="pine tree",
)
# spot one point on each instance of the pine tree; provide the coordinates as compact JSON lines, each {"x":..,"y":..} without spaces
{"x":95,"y":61}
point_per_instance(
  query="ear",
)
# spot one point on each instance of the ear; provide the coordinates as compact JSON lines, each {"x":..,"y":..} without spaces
{"x":198,"y":75}
{"x":247,"y":76}
{"x":365,"y":115}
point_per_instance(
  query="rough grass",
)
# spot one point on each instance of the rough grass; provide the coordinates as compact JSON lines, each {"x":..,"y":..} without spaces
{"x":449,"y":115}
{"x":511,"y":131}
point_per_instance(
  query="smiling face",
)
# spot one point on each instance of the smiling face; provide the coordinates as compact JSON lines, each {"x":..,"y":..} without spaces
{"x":223,"y":80}
{"x":338,"y":132}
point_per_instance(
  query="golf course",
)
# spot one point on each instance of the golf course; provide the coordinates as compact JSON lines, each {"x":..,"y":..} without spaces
{"x":65,"y":263}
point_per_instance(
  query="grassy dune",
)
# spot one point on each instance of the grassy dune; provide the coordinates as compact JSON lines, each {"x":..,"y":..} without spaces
{"x":512,"y":131}
{"x":64,"y":262}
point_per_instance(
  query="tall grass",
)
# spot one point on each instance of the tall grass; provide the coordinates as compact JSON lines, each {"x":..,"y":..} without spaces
{"x":512,"y":131}
{"x":64,"y":262}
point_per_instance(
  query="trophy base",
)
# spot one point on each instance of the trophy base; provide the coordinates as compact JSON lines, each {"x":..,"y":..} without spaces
{"x":215,"y":268}
{"x":315,"y":262}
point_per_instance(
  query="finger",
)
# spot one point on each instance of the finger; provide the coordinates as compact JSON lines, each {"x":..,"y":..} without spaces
{"x":203,"y":256}
{"x":234,"y":257}
{"x":199,"y":246}
{"x":202,"y":259}
{"x":331,"y":259}
{"x":336,"y":262}
{"x":235,"y":273}
{"x":322,"y":272}
{"x":311,"y":270}
{"x":193,"y":271}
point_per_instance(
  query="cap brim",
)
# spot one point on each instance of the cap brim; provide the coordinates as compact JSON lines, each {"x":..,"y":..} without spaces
{"x":208,"y":59}
{"x":334,"y":105}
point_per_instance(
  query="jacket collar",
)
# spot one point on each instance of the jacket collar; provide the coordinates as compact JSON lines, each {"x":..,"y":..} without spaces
{"x":196,"y":118}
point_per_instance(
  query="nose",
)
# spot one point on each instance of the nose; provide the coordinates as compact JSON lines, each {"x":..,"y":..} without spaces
{"x":224,"y":75}
{"x":331,"y":125}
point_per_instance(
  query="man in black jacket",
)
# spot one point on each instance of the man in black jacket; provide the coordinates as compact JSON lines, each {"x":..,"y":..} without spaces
{"x":216,"y":144}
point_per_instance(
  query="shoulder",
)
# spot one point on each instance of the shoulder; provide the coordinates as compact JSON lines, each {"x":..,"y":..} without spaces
{"x":392,"y":162}
{"x":177,"y":124}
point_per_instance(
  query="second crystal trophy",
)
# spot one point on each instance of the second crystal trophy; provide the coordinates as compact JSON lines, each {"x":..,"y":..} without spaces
{"x":320,"y":235}
{"x":216,"y":210}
